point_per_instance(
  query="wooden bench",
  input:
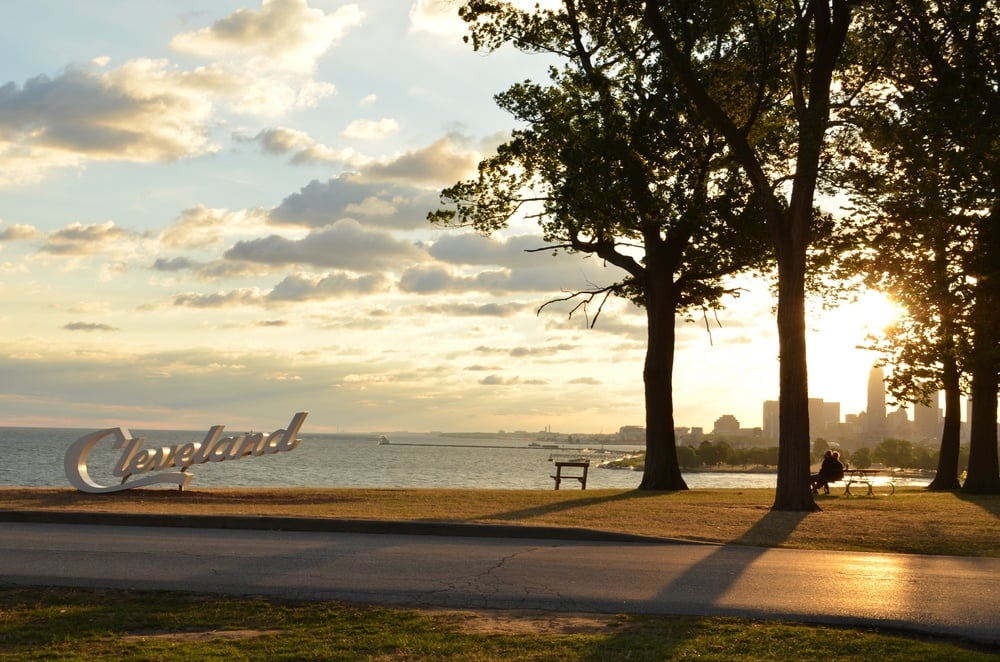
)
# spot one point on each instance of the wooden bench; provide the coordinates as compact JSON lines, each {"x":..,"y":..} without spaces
{"x":559,"y":477}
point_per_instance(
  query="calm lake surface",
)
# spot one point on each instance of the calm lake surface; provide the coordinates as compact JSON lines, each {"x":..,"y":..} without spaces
{"x":33,"y":457}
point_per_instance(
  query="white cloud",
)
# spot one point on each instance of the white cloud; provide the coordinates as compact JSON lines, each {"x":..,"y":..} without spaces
{"x":285,"y":35}
{"x":443,"y":162}
{"x":78,"y":239}
{"x":438,"y":17}
{"x":18,"y":232}
{"x":282,"y":140}
{"x":351,"y":196}
{"x":142,"y":112}
{"x":201,"y":226}
{"x":364,"y":129}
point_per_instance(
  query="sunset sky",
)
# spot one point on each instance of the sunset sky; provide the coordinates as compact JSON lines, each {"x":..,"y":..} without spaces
{"x":215,"y":213}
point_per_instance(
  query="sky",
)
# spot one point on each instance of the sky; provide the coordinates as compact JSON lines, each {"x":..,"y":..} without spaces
{"x":215,"y":213}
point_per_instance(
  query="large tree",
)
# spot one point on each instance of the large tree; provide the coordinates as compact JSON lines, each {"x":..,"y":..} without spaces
{"x":761,"y":73}
{"x":925,"y":182}
{"x":611,"y":162}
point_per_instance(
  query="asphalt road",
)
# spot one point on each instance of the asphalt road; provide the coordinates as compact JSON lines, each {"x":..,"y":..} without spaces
{"x":953,"y":596}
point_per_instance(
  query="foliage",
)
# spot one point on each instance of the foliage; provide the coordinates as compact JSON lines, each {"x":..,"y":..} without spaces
{"x":763,"y":75}
{"x":861,"y":458}
{"x":610,"y":161}
{"x":922,"y":176}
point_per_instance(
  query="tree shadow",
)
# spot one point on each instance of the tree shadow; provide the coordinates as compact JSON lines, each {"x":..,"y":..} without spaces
{"x":563,"y":506}
{"x":711,"y":579}
{"x":988,"y":502}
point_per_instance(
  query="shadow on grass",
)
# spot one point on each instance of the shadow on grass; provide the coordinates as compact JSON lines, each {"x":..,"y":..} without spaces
{"x":771,"y":530}
{"x":988,"y":502}
{"x":582,"y":502}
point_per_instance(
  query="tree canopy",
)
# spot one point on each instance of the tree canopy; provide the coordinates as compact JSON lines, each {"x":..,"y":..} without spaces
{"x":611,"y":162}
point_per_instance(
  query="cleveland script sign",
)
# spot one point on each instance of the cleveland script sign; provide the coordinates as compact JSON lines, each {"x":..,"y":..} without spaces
{"x":136,"y":460}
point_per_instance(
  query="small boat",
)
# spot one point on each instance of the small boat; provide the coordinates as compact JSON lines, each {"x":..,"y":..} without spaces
{"x":383,"y":440}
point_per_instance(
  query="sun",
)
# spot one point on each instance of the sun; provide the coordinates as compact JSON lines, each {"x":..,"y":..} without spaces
{"x":874,"y":312}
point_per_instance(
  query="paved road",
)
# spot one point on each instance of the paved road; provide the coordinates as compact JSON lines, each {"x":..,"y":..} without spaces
{"x":939,"y":595}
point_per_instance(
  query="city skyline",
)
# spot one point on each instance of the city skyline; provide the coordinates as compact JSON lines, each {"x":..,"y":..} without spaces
{"x":216,"y":214}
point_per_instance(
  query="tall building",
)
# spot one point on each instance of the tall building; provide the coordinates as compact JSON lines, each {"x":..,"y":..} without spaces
{"x":927,"y":420}
{"x":873,"y":430}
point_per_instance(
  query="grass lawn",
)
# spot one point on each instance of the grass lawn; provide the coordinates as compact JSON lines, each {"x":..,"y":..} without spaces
{"x":43,"y":623}
{"x":914,"y":520}
{"x":79,"y":624}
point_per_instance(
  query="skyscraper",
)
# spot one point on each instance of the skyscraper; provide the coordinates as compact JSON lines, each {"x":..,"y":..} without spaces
{"x":927,"y":420}
{"x":873,"y":429}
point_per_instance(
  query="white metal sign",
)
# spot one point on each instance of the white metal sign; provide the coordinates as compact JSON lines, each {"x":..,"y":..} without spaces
{"x":136,"y":460}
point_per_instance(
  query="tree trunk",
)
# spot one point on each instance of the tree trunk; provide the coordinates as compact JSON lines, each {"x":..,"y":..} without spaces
{"x":946,"y":477}
{"x":662,"y":471}
{"x":984,"y":470}
{"x":793,"y":490}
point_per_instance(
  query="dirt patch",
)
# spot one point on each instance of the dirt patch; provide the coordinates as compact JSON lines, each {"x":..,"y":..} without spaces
{"x":198,"y":636}
{"x":533,"y":622}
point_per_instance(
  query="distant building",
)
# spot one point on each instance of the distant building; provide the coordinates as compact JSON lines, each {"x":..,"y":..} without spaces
{"x":927,"y":421}
{"x":897,"y":424}
{"x":873,"y":427}
{"x":726,"y":424}
{"x":824,"y":419}
{"x":632,"y":433}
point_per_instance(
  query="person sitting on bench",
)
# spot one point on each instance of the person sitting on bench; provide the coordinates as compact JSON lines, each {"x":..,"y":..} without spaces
{"x":830,"y":470}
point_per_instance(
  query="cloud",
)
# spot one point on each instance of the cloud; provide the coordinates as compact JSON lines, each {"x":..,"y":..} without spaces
{"x":282,"y":140}
{"x":474,"y":309}
{"x":443,"y":162}
{"x":440,"y":17}
{"x":240,"y":297}
{"x":437,"y":17}
{"x":264,"y":61}
{"x":305,"y":288}
{"x":498,"y":380}
{"x":172,"y":264}
{"x":294,"y":288}
{"x":80,"y":239}
{"x":370,"y":129}
{"x":284,"y":35}
{"x":344,"y":245}
{"x":143,"y":112}
{"x":18,"y":232}
{"x":383,"y":204}
{"x":202,"y":226}
{"x":225,"y":269}
{"x":474,"y":248}
{"x":87,"y":326}
{"x":437,"y":278}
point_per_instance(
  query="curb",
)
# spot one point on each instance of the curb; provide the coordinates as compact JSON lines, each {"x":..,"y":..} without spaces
{"x":324,"y":525}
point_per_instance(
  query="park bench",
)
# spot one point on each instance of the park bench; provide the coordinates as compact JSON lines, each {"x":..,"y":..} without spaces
{"x":582,"y":477}
{"x":865,"y":477}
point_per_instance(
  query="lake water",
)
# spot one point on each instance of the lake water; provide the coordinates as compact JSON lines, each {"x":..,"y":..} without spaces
{"x":33,"y":457}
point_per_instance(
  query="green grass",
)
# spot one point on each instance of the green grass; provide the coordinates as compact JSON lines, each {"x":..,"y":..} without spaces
{"x":79,"y":624}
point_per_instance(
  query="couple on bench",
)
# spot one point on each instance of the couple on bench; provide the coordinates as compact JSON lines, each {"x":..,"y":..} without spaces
{"x":831,"y":470}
